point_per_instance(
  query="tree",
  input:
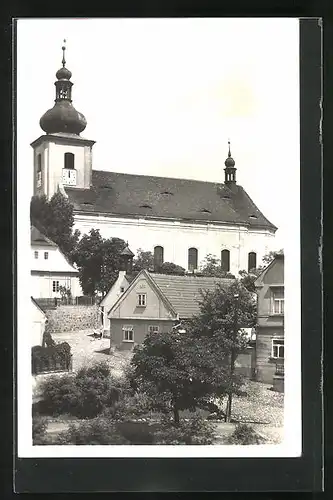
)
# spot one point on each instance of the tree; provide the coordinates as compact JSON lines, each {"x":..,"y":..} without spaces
{"x":211,"y":266}
{"x":143,"y":260}
{"x":98,"y":261}
{"x":223,"y":315}
{"x":55,"y":219}
{"x":179,"y":373}
{"x":171,"y":268}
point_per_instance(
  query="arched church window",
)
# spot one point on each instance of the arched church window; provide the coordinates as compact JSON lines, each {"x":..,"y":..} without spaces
{"x":225,"y":260}
{"x":252,"y":261}
{"x":192,"y":259}
{"x":39,"y":170}
{"x":158,"y":257}
{"x":69,"y":160}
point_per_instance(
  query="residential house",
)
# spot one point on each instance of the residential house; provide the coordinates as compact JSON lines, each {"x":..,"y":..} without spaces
{"x":270,"y":330}
{"x":50,"y":269}
{"x":39,"y":319}
{"x":156,"y":303}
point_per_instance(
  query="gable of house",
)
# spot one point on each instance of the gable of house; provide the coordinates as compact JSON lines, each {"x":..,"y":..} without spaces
{"x":142,"y":300}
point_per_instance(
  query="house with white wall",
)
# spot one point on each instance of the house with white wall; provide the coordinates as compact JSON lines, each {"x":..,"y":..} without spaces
{"x":39,"y":320}
{"x":50,"y":269}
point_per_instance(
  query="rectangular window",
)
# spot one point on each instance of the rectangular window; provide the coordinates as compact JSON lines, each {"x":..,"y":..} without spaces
{"x":36,"y":255}
{"x":122,"y":289}
{"x":128,"y":333}
{"x":142,"y":299}
{"x":278,"y":348}
{"x":55,"y":286}
{"x":46,"y":255}
{"x":153,"y":328}
{"x":278,"y":301}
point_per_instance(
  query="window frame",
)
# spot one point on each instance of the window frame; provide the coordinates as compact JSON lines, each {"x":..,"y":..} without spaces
{"x":158,"y":259}
{"x":249,"y":268}
{"x":279,"y":300}
{"x":226,"y":252}
{"x":55,"y":286}
{"x":153,"y":329}
{"x":69,"y":160}
{"x":128,"y":329}
{"x":140,"y":295}
{"x":36,"y":254}
{"x":190,"y":266}
{"x":277,"y":342}
{"x":46,"y":255}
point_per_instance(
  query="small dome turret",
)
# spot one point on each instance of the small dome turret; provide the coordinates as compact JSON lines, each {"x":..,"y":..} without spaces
{"x":63,"y":117}
{"x":230,"y":169}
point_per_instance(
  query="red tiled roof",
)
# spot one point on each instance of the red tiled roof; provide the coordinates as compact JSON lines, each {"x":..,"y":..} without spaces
{"x":161,"y":197}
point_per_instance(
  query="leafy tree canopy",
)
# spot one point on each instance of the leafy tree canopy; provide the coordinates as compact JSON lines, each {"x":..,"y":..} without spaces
{"x":98,"y":261}
{"x":171,"y":268}
{"x":179,"y":372}
{"x":143,"y":260}
{"x":55,"y":219}
{"x":211,"y":266}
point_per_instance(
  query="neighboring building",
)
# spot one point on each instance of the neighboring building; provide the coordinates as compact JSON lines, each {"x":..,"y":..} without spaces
{"x":179,"y":220}
{"x":50,"y":269}
{"x":39,"y":320}
{"x":156,"y":302}
{"x":270,"y":330}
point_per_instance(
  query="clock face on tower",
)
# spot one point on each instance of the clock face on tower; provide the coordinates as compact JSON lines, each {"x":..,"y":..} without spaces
{"x":69,"y":177}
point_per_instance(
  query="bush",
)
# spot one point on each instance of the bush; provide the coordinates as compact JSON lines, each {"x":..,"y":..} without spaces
{"x":194,"y":430}
{"x":39,"y":427}
{"x":52,"y":357}
{"x":98,"y":431}
{"x":84,"y":395}
{"x":245,"y":435}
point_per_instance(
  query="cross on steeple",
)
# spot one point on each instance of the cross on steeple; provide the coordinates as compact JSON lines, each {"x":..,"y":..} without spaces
{"x":63,"y":53}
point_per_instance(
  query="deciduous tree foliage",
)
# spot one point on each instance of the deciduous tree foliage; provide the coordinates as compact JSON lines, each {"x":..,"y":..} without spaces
{"x":55,"y":218}
{"x":180,"y":372}
{"x":98,"y":260}
{"x":223,"y":315}
{"x":145,"y":260}
{"x":211,"y":266}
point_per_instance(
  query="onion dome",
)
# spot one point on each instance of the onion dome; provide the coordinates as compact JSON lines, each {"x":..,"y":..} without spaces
{"x":230,"y":162}
{"x":63,"y":117}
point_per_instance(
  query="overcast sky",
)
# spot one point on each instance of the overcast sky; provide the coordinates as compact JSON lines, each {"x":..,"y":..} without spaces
{"x":163,"y":96}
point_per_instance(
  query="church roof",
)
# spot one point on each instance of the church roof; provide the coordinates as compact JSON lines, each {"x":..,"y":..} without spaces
{"x":126,"y":195}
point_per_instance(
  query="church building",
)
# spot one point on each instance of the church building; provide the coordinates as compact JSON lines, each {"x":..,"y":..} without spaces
{"x":179,"y":220}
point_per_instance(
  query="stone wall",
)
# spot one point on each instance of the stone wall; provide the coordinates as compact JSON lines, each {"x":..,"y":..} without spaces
{"x":72,"y":318}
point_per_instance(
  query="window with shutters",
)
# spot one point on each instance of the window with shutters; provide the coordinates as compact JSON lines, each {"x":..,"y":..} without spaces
{"x":192,"y":259}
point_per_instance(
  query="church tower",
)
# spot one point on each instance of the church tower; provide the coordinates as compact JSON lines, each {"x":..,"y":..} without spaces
{"x":62,"y":158}
{"x":230,"y":170}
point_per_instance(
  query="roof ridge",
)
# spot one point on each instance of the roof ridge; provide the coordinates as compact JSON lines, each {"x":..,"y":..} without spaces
{"x":164,"y":177}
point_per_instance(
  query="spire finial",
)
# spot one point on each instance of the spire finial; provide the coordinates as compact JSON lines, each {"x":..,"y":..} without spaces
{"x":229,"y":152}
{"x":63,"y":53}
